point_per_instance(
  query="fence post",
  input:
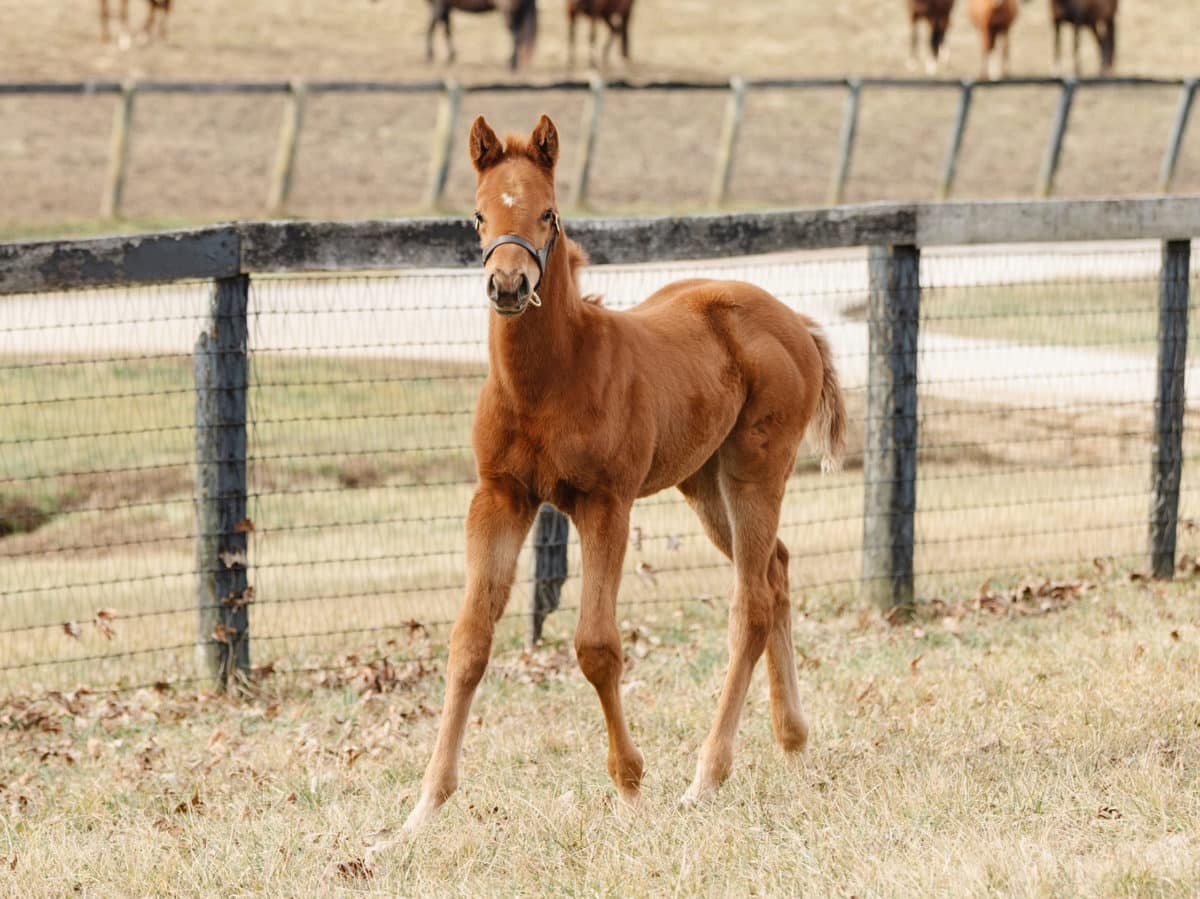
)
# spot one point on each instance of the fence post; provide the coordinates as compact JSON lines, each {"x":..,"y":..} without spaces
{"x":956,"y":139}
{"x":1175,"y":140}
{"x":723,"y":174}
{"x":846,"y":141}
{"x":890,"y":454}
{"x":443,"y":142}
{"x":285,"y":157}
{"x":1167,"y":455}
{"x":549,"y":567}
{"x":593,"y":108}
{"x":1058,"y":130}
{"x":222,"y":596}
{"x":118,"y":153}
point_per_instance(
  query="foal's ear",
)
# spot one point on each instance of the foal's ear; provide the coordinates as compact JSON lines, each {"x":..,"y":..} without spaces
{"x":545,"y":142}
{"x":485,"y":146}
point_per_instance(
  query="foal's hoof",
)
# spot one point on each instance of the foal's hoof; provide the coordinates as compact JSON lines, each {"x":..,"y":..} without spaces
{"x":697,"y":794}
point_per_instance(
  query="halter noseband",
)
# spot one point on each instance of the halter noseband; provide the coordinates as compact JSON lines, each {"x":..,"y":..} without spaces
{"x":541,"y":257}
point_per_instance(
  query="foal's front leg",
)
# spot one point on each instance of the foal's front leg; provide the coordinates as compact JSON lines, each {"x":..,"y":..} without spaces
{"x":603,"y":525}
{"x":497,"y":522}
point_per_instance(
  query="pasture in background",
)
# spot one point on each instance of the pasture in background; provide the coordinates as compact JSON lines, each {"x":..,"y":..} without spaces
{"x":211,"y":157}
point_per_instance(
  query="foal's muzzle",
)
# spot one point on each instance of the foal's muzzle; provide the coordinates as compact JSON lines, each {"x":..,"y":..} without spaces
{"x":509,"y":293}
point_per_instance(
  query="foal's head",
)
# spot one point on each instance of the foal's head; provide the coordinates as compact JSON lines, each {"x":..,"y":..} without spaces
{"x":515,"y":212}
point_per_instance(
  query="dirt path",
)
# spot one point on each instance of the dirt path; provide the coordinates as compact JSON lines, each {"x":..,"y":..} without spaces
{"x":439,"y":315}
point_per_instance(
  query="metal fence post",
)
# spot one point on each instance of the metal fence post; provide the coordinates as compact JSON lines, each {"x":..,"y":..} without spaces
{"x":890,"y":454}
{"x":1178,"y":130}
{"x":846,"y":142}
{"x":443,"y":143}
{"x":1167,"y":455}
{"x":956,"y":139}
{"x":727,"y":148}
{"x":118,"y":153}
{"x":222,"y":596}
{"x":592,"y":110}
{"x":285,"y":156}
{"x":1062,"y":114}
{"x":549,"y":567}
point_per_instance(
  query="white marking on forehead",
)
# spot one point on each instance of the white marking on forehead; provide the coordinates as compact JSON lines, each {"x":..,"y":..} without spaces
{"x":508,"y":199}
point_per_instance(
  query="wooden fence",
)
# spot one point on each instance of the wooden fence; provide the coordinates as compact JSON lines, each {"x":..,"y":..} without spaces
{"x":894,"y":233}
{"x":296,"y":94}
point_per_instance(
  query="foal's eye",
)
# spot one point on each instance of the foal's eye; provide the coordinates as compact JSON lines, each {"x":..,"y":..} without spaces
{"x":548,"y":216}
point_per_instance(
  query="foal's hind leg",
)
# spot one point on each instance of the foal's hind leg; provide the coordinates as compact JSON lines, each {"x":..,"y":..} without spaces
{"x":753,"y":498}
{"x":703,"y":494}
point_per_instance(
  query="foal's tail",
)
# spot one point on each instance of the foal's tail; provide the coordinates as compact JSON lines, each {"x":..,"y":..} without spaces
{"x":828,"y":427}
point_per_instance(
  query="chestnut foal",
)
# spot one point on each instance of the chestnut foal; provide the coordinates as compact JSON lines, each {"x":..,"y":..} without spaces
{"x":708,"y":386}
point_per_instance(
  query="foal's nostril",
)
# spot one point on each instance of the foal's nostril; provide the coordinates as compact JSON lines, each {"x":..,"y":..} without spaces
{"x":492,"y":291}
{"x":523,"y":286}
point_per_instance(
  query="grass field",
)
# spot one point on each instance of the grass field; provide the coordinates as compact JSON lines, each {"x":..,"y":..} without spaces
{"x":196,"y":159}
{"x":1044,"y":746}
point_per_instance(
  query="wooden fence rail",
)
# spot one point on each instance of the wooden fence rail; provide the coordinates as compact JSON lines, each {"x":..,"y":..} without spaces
{"x":893,"y":233}
{"x":296,"y":94}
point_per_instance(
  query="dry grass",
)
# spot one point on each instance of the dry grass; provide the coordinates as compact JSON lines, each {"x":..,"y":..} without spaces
{"x":1048,"y":750}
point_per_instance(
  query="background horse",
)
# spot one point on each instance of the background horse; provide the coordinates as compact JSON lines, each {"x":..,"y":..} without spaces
{"x":158,"y":11}
{"x":993,"y":18}
{"x":937,"y":14}
{"x":520,"y":16}
{"x":707,"y":386}
{"x":614,"y":13}
{"x":1098,"y":15}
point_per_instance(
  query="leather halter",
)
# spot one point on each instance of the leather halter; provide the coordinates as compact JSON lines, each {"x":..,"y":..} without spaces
{"x":541,"y":257}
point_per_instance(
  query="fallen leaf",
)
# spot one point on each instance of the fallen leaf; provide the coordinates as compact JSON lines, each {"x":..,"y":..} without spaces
{"x":355,"y":869}
{"x":106,"y":614}
{"x":645,"y":571}
{"x":1175,"y":635}
{"x":239,"y":600}
{"x":1109,"y":813}
{"x":245,"y":526}
{"x":71,"y":629}
{"x":912,"y":666}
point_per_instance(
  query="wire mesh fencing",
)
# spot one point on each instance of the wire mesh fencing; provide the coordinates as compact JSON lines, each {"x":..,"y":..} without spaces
{"x":1036,"y":380}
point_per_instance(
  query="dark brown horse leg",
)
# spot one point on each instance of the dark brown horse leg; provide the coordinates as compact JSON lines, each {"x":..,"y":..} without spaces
{"x":571,"y":14}
{"x":603,"y":525}
{"x":451,"y":53}
{"x":625,"y":33}
{"x":1056,"y":64}
{"x":500,"y":516}
{"x":592,"y":42}
{"x":1108,"y":47}
{"x":611,"y":22}
{"x":1075,"y":50}
{"x":937,"y":36}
